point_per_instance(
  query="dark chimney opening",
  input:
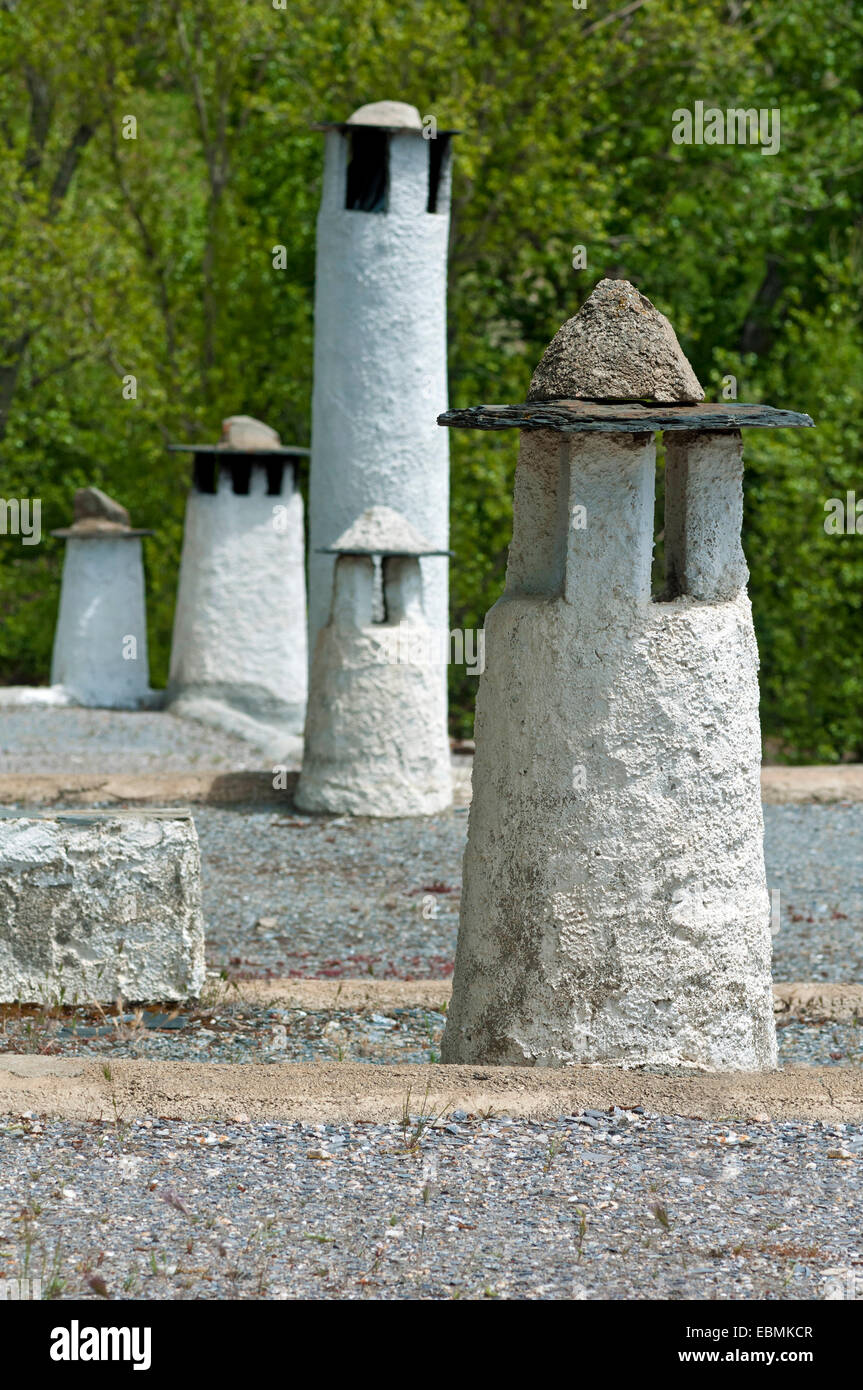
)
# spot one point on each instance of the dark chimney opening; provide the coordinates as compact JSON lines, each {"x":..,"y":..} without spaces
{"x":241,"y":475}
{"x":275,"y":470}
{"x":368,"y":171}
{"x":438,"y":155}
{"x":205,"y":472}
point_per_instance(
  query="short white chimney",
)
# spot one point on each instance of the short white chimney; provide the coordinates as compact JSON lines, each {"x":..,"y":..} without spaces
{"x":376,"y":735}
{"x":239,"y":652}
{"x":100,"y":643}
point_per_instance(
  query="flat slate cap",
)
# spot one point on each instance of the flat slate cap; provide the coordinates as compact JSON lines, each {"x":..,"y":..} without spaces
{"x":98,"y":515}
{"x":617,"y":348}
{"x":381,"y":531}
{"x":576,"y":417}
{"x":243,"y":434}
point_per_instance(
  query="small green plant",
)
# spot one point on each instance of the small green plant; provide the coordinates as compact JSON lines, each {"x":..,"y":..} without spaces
{"x":660,"y":1213}
{"x":582,"y":1232}
{"x":413,"y":1128}
{"x":554,"y":1148}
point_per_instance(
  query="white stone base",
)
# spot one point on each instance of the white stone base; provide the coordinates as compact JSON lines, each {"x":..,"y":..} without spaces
{"x":615,"y":907}
{"x":100,"y":904}
{"x":376,"y":742}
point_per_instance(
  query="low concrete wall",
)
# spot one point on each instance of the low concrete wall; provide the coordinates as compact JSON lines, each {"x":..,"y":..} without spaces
{"x":344,"y":1092}
{"x":779,"y":786}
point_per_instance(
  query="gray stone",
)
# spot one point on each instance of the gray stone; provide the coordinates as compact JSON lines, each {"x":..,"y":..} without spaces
{"x":96,"y":904}
{"x":392,"y":115}
{"x":94,"y":508}
{"x":246,"y":434}
{"x":618,"y":347}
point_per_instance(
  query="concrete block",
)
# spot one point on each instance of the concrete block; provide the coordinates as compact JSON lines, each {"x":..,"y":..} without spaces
{"x":96,"y":904}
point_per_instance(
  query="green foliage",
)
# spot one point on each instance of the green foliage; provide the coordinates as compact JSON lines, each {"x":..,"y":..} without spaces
{"x":153,"y":258}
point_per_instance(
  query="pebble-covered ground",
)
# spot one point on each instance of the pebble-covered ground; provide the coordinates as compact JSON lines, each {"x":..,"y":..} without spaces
{"x":623,"y":1205}
{"x":41,"y":742}
{"x":232,"y":1031}
{"x":287,"y":894}
{"x":814,"y":857}
{"x":620,"y":1205}
{"x":290,"y":894}
{"x":332,"y":897}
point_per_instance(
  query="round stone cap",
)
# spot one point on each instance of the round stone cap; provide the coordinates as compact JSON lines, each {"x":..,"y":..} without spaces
{"x":243,"y":434}
{"x":392,"y":115}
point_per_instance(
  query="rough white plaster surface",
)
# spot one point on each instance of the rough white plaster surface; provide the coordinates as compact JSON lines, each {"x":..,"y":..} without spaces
{"x":704,"y":514}
{"x":102,"y":604}
{"x":380,"y":366}
{"x":376,"y":740}
{"x":615,"y":907}
{"x":240,"y":624}
{"x":99,"y":903}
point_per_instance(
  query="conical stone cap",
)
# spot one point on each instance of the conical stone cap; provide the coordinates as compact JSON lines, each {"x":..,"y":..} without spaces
{"x":382,"y":531}
{"x":97,"y":514}
{"x":618,"y":347}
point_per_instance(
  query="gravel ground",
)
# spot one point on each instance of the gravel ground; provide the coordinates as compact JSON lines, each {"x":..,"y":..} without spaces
{"x":288,"y":894}
{"x":623,"y":1205}
{"x":814,"y":857}
{"x":41,"y":742}
{"x":231,"y":1031}
{"x":329,"y":897}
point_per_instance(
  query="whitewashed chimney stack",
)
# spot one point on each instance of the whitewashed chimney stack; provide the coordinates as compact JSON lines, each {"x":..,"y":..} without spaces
{"x":380,"y":340}
{"x":615,"y":907}
{"x":376,"y":736}
{"x":239,"y":655}
{"x":100,"y":642}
